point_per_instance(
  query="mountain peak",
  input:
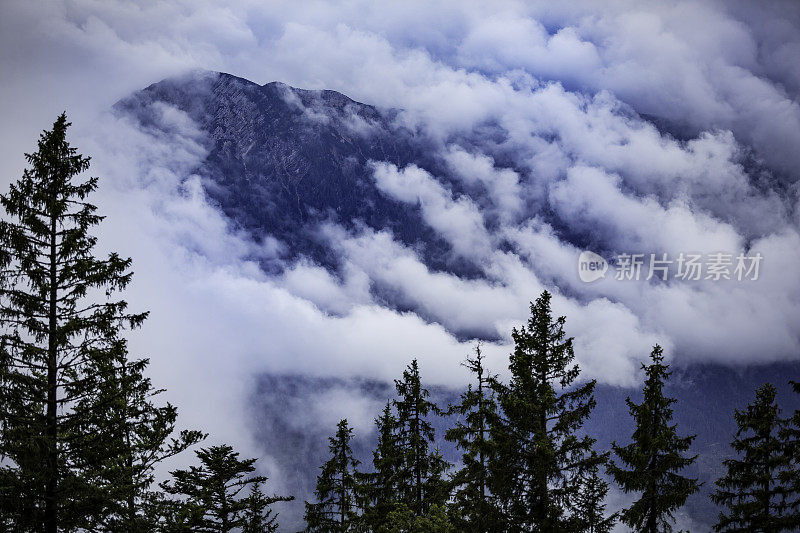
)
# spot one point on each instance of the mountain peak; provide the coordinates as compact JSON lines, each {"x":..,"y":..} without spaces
{"x":282,"y":160}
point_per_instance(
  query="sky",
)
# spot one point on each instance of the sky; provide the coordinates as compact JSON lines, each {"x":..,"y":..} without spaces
{"x":584,"y":94}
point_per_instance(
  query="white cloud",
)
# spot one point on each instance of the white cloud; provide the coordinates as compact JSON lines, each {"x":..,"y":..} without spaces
{"x":502,"y":184}
{"x":592,"y":200}
{"x":458,"y":220}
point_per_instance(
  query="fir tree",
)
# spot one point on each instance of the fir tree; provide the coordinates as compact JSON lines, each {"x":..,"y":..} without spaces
{"x":174,"y":515}
{"x":539,"y":454}
{"x":473,"y":507}
{"x":58,"y":325}
{"x":138,"y":435}
{"x":403,"y":520}
{"x":258,"y":516}
{"x":421,"y":482}
{"x":754,"y":490}
{"x":336,"y":510}
{"x":790,"y":435}
{"x":655,"y":458}
{"x":379,"y":489}
{"x":212,"y":491}
{"x":589,"y":506}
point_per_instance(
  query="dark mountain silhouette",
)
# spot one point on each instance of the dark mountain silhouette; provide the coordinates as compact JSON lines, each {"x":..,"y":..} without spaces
{"x":281,"y":160}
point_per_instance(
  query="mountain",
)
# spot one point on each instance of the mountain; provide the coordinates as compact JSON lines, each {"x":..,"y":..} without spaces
{"x":282,"y":160}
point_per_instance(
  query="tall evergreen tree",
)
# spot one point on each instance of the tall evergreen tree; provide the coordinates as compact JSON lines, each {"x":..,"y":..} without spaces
{"x":790,"y":435}
{"x":336,"y":510}
{"x":379,"y":489}
{"x":58,"y":323}
{"x":258,"y":516}
{"x":655,"y":458}
{"x":589,"y":508}
{"x":473,"y":506}
{"x":539,"y":452}
{"x":754,"y":490}
{"x":421,"y":482}
{"x":212,"y":491}
{"x":137,"y":435}
{"x":403,"y":520}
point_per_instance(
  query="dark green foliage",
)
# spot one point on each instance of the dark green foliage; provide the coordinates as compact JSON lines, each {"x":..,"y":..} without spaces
{"x":403,"y":520}
{"x":540,"y":455}
{"x":175,"y":516}
{"x":258,"y":516}
{"x":754,"y":490}
{"x":408,"y":476}
{"x":473,"y":508}
{"x":137,"y":436}
{"x":420,"y":483}
{"x":589,"y":508}
{"x":790,"y":435}
{"x":651,"y":464}
{"x":336,"y":510}
{"x":59,"y":336}
{"x":379,"y":488}
{"x":211,"y":492}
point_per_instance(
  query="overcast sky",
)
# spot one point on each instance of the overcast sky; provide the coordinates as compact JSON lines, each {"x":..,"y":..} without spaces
{"x":577,"y":90}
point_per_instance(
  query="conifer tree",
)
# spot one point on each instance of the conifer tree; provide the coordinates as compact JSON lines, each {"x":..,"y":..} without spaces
{"x":754,"y":490}
{"x":336,"y":510}
{"x":212,"y":491}
{"x":403,"y":520}
{"x":379,"y":489}
{"x":137,"y":435}
{"x":651,"y":464}
{"x":589,"y":511}
{"x":258,"y":516}
{"x":421,"y":482}
{"x":473,"y":507}
{"x":58,"y":324}
{"x":790,"y":435}
{"x":176,"y":515}
{"x":540,"y":455}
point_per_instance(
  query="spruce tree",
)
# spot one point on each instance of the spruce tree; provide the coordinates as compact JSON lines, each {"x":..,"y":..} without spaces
{"x":540,"y":454}
{"x":258,"y":516}
{"x":421,"y":482}
{"x":336,"y":510}
{"x":138,"y":435}
{"x":589,"y":508}
{"x":754,"y":490}
{"x":791,"y":438}
{"x":211,"y":491}
{"x":473,"y":506}
{"x":58,"y":324}
{"x":379,"y":489}
{"x":651,"y":464}
{"x":403,"y":520}
{"x":790,"y":435}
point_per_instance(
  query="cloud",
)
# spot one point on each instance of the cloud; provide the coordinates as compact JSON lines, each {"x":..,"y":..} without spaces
{"x":502,"y":184}
{"x":695,"y":64}
{"x":458,"y":220}
{"x":589,"y":199}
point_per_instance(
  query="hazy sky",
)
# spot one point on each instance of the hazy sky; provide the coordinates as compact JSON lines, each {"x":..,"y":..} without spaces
{"x":575,"y":88}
